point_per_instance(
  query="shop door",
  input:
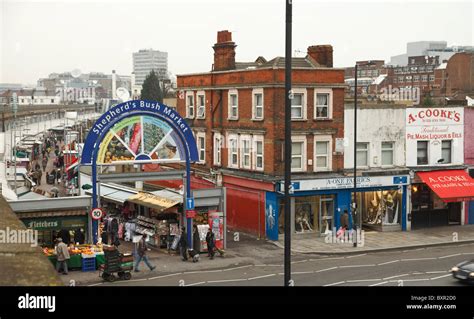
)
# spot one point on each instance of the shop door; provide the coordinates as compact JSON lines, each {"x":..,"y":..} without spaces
{"x":326,"y":215}
{"x":471,"y":212}
{"x":454,"y":213}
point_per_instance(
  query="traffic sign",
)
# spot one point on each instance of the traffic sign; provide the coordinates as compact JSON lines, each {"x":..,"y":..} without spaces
{"x":190,"y":213}
{"x":97,"y":213}
{"x":190,"y":203}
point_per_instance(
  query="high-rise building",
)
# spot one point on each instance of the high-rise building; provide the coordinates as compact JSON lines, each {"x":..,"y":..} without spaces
{"x":146,"y":60}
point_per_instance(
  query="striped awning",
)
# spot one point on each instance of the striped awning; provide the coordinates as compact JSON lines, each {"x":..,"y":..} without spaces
{"x":58,"y":213}
{"x":152,"y":201}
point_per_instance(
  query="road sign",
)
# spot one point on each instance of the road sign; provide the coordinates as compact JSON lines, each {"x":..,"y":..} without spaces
{"x":190,"y":203}
{"x":190,"y":213}
{"x":97,"y":213}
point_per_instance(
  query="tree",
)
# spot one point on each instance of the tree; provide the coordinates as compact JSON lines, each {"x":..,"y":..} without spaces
{"x":428,"y":101}
{"x":151,"y":89}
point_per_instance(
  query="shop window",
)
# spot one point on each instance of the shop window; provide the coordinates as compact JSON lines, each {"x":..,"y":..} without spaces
{"x":422,"y":153}
{"x":362,"y":154}
{"x":314,"y":214}
{"x":380,"y":207}
{"x":387,"y":153}
{"x":446,"y":147}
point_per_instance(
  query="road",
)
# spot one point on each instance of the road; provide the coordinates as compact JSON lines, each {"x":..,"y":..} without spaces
{"x":420,"y":267}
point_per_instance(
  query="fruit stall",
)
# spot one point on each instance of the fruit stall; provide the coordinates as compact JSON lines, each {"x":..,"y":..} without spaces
{"x":78,"y":254}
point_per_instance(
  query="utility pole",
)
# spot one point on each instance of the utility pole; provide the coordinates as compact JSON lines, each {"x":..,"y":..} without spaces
{"x":354,"y":204}
{"x":15,"y":108}
{"x":287,"y":263}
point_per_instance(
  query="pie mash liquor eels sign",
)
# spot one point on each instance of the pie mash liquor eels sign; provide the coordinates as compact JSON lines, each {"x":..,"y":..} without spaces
{"x":139,"y":132}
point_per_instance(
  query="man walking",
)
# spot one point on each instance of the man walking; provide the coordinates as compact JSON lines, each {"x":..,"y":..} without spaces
{"x":211,"y":243}
{"x":62,"y":254}
{"x":141,"y":254}
{"x":183,"y":244}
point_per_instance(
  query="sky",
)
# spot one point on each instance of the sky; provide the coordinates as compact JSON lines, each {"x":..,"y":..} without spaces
{"x":41,"y":37}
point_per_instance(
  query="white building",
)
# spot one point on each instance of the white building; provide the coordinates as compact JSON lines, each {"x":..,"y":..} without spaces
{"x":146,"y":60}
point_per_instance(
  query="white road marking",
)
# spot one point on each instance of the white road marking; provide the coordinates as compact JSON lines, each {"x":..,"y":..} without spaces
{"x":397,"y":276}
{"x":419,"y":259}
{"x":454,"y":255}
{"x":226,"y":280}
{"x":356,"y":256}
{"x":334,"y":284}
{"x":100,"y":283}
{"x":411,"y":280}
{"x":437,"y":272}
{"x":388,"y":262}
{"x":439,"y":277}
{"x":363,"y":280}
{"x":326,"y":269}
{"x":299,"y":262}
{"x":164,"y":276}
{"x":195,"y":284}
{"x":330,"y":258}
{"x":240,"y":267}
{"x":356,"y":266}
{"x":201,"y":271}
{"x":260,"y":277}
{"x":268,"y":265}
{"x":408,"y":250}
{"x":302,"y":272}
{"x":380,"y":283}
{"x":144,"y":279}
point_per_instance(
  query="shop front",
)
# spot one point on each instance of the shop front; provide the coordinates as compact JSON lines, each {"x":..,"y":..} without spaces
{"x":439,"y":198}
{"x":317,"y":204}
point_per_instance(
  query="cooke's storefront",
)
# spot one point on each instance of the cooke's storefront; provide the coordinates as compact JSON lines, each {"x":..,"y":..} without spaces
{"x":317,"y":204}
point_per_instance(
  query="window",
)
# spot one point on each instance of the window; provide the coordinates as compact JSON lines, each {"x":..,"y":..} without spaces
{"x":258,"y":153}
{"x":424,"y":78}
{"x":387,"y":153}
{"x":401,"y":79}
{"x":257,"y":110}
{"x":297,"y":106}
{"x":233,"y":105}
{"x":52,"y":100}
{"x":245,"y":160}
{"x":446,"y":147}
{"x":298,"y":153}
{"x":416,"y":78}
{"x":190,"y":105}
{"x":362,"y":154}
{"x":322,"y":155}
{"x":323,"y":104}
{"x":422,"y":153}
{"x":201,"y":105}
{"x":201,"y":139}
{"x":233,"y":152}
{"x":217,"y":149}
{"x":432,"y":78}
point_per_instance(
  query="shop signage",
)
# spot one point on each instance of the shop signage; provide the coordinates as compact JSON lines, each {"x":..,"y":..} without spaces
{"x":55,"y":223}
{"x":97,"y":213}
{"x":434,"y":123}
{"x":348,"y":182}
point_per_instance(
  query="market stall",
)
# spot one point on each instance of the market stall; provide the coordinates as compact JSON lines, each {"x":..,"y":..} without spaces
{"x":78,"y":254}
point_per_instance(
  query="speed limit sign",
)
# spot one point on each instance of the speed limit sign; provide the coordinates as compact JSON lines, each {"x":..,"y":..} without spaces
{"x":97,"y":213}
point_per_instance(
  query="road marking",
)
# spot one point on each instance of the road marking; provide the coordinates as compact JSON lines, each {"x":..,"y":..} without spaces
{"x":201,"y":271}
{"x":144,"y":279}
{"x":454,"y":255}
{"x":164,"y":276}
{"x":260,"y":277}
{"x":397,"y":276}
{"x":356,"y":256}
{"x":195,"y":284}
{"x":240,"y":267}
{"x":437,"y":272}
{"x":268,"y":265}
{"x":326,"y":269}
{"x":408,"y":250}
{"x":388,"y":262}
{"x":298,"y":262}
{"x":468,"y":253}
{"x":363,"y":280}
{"x":419,"y":259}
{"x":226,"y":280}
{"x":380,"y":283}
{"x":439,"y":277}
{"x":330,"y":258}
{"x":356,"y":266}
{"x":334,"y":284}
{"x":411,"y":280}
{"x":100,"y":283}
{"x":302,"y":272}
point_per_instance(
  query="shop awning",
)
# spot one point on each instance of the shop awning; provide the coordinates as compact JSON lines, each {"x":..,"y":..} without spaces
{"x":59,"y":213}
{"x":450,"y":185}
{"x":152,"y":201}
{"x":74,"y":164}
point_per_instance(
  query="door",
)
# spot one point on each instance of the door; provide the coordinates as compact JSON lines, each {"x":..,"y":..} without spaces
{"x":326,"y":214}
{"x":454,"y":213}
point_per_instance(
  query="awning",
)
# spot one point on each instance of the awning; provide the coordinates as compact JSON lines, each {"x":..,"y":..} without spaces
{"x":74,"y":164}
{"x":152,"y":201}
{"x":450,"y":185}
{"x":59,"y":213}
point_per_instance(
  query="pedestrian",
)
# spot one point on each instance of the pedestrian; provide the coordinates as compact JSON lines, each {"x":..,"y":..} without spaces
{"x":211,"y":243}
{"x":141,"y":254}
{"x":196,"y":240}
{"x":79,"y":237}
{"x":40,"y":175}
{"x":183,"y":244}
{"x":345,"y":220}
{"x":44,"y":163}
{"x":58,"y":175}
{"x":62,"y":254}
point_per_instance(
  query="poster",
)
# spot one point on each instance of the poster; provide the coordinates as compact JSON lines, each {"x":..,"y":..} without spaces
{"x":216,"y":222}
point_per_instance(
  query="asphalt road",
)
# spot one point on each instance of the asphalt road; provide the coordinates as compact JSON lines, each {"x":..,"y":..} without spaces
{"x":420,"y":267}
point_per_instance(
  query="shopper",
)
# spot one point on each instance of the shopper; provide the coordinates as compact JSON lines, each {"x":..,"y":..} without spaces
{"x":44,"y":163}
{"x":211,"y":243}
{"x":40,"y":175}
{"x":196,"y":240}
{"x":62,"y":254}
{"x":345,"y":220}
{"x":183,"y":244}
{"x":141,"y":254}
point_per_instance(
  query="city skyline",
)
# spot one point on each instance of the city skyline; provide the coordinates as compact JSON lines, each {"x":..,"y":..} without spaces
{"x":65,"y":41}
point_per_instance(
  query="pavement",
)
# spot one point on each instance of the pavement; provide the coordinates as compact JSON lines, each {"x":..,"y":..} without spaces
{"x":45,"y":188}
{"x":380,"y":241}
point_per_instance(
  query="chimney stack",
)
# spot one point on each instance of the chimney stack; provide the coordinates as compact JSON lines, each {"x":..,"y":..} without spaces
{"x":322,"y":54}
{"x":224,"y":51}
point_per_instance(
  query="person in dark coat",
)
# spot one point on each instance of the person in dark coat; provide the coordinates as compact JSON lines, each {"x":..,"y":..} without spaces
{"x":196,"y":240}
{"x":183,"y":244}
{"x":79,"y":236}
{"x":64,"y":234}
{"x":211,"y":243}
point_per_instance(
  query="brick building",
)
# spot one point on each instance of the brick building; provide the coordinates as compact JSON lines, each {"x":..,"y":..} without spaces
{"x":236,"y":112}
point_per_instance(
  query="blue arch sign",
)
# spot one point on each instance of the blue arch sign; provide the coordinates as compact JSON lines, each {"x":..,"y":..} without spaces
{"x":139,"y":131}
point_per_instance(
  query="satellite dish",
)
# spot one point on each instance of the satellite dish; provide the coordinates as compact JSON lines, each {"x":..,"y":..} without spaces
{"x":123,"y":94}
{"x":76,"y":73}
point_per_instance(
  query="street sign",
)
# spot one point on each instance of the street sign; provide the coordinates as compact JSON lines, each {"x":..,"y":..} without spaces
{"x":190,"y":213}
{"x":190,"y":203}
{"x":97,"y":213}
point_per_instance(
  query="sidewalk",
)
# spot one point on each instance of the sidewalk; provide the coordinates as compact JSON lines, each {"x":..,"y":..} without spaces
{"x":380,"y":241}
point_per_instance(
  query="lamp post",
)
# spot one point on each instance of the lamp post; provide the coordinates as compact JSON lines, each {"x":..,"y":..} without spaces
{"x":354,"y":204}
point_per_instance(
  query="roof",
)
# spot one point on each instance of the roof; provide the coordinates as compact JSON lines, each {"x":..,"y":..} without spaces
{"x":442,"y":66}
{"x":277,"y":62}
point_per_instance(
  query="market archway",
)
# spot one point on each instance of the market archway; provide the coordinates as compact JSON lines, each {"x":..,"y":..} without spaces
{"x":139,"y":132}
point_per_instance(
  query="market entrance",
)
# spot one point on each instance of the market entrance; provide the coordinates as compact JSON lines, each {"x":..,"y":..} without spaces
{"x":141,"y":132}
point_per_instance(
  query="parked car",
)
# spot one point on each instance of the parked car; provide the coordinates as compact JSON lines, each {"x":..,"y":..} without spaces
{"x":464,"y":271}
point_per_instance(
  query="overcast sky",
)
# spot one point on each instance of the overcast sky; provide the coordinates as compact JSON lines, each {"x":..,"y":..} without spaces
{"x":41,"y":37}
